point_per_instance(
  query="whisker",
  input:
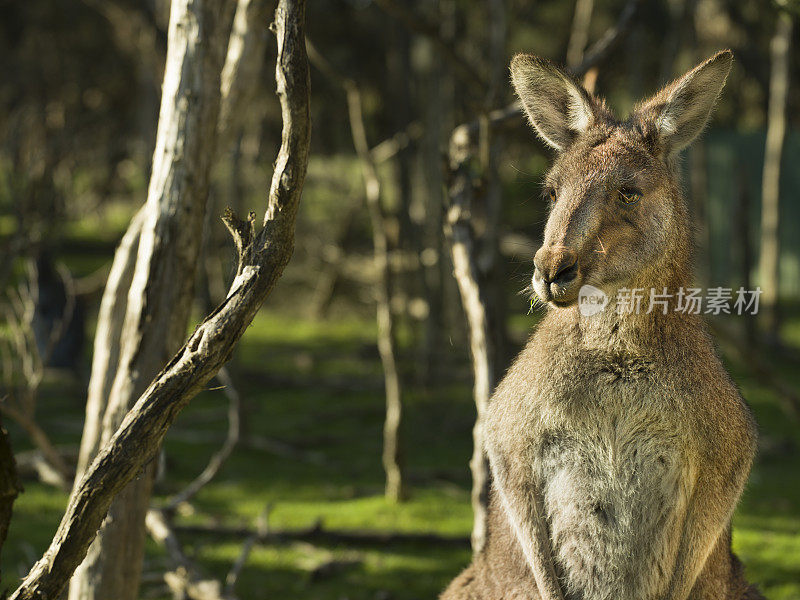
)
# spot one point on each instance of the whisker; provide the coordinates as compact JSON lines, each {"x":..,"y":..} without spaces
{"x":518,"y":170}
{"x":602,"y":247}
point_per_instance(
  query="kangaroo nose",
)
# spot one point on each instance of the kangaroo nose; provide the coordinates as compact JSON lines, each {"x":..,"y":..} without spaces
{"x":556,"y":265}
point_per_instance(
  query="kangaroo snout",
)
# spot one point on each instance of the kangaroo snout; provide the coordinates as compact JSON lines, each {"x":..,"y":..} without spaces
{"x":555,"y":273}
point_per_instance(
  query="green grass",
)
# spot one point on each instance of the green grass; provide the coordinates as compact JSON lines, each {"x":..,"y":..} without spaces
{"x":315,"y":387}
{"x":341,"y":484}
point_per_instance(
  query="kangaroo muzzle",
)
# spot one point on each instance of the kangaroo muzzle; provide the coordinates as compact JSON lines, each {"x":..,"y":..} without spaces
{"x":555,"y":274}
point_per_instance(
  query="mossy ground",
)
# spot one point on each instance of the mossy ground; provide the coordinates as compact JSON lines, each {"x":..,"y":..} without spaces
{"x":314,"y":387}
{"x":337,"y":477}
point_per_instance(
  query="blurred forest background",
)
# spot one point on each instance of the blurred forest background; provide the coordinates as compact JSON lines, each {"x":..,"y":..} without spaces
{"x":317,"y":488}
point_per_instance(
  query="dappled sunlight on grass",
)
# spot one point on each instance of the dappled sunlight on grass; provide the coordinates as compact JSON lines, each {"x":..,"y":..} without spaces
{"x":311,"y":452}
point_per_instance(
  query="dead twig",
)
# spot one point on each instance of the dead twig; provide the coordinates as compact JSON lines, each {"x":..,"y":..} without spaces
{"x":185,"y":581}
{"x":262,"y":529}
{"x":21,"y":355}
{"x":141,"y":433}
{"x":218,"y":459}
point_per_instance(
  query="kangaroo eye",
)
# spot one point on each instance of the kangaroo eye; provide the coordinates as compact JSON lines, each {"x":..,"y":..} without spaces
{"x":629,"y":196}
{"x":550,"y":194}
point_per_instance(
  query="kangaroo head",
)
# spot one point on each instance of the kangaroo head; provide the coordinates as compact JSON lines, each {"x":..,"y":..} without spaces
{"x":617,"y":217}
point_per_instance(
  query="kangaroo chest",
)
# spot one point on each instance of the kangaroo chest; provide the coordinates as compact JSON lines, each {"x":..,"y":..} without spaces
{"x":611,"y":472}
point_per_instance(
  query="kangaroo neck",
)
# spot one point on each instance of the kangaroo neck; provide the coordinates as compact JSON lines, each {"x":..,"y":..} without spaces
{"x":644,"y":317}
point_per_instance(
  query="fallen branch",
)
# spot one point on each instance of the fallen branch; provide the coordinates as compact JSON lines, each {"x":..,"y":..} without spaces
{"x":261,"y":263}
{"x":185,"y":581}
{"x":319,"y":535}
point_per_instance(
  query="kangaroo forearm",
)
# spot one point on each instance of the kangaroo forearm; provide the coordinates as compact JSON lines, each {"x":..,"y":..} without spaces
{"x":702,"y":528}
{"x":693,"y":553}
{"x":523,"y":507}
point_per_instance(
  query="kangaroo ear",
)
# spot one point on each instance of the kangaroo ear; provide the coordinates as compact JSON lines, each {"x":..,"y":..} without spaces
{"x":680,"y":111}
{"x":558,"y":107}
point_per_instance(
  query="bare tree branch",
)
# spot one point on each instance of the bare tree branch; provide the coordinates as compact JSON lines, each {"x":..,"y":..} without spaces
{"x":579,"y":34}
{"x":417,"y":24}
{"x":137,"y":440}
{"x":160,"y":295}
{"x":596,"y":53}
{"x":60,"y":472}
{"x":458,"y":229}
{"x":401,"y":140}
{"x":392,"y":454}
{"x":243,"y":62}
{"x":20,"y":403}
{"x":105,"y":355}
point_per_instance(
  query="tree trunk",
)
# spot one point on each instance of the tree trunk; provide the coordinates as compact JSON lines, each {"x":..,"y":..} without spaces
{"x":160,"y":294}
{"x":243,"y":63}
{"x":9,"y":485}
{"x":435,"y":83}
{"x":263,"y":255}
{"x":399,"y":85}
{"x":579,"y":35}
{"x":770,"y":185}
{"x":491,"y":271}
{"x":105,"y":357}
{"x":462,"y":246}
{"x":392,"y":447}
{"x":743,"y":251}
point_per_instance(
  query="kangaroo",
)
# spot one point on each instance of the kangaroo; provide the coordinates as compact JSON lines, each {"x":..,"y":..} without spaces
{"x":619,"y":446}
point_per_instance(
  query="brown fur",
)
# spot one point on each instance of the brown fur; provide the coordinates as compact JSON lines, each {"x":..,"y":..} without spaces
{"x":619,"y":445}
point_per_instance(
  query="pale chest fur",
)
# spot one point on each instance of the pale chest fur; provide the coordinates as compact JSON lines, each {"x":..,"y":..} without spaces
{"x":612,"y":471}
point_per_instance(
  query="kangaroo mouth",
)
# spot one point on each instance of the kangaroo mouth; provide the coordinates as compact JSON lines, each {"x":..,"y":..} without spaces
{"x":563,"y":303}
{"x":561,"y":294}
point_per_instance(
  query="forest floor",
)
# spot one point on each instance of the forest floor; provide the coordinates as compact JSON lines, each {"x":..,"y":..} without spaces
{"x":310,"y":452}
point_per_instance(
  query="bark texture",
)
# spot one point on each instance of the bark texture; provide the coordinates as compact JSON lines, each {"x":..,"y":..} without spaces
{"x":462,"y":246}
{"x":105,"y":356}
{"x":149,"y":324}
{"x":769,"y":267}
{"x":243,"y":63}
{"x":263,"y":256}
